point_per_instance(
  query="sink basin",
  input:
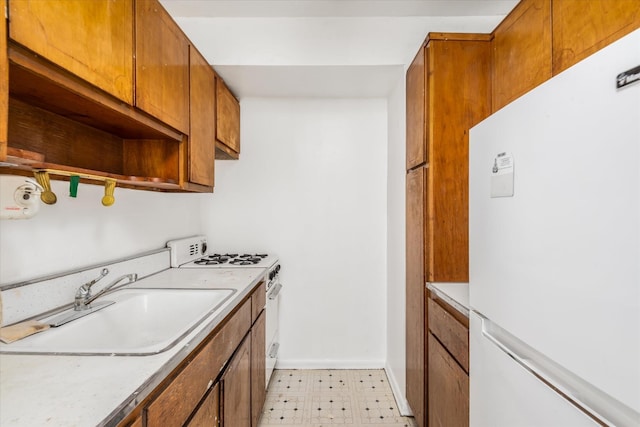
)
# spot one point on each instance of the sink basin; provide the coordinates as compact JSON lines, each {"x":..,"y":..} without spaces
{"x":140,"y":322}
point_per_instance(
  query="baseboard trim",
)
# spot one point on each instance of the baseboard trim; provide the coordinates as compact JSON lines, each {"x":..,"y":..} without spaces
{"x":329,"y":364}
{"x":398,"y":394}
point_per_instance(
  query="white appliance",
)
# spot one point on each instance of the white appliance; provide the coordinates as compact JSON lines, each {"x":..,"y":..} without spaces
{"x":554,"y":241}
{"x":193,"y":252}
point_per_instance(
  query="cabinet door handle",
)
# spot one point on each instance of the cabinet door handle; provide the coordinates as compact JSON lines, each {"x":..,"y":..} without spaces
{"x":595,"y":403}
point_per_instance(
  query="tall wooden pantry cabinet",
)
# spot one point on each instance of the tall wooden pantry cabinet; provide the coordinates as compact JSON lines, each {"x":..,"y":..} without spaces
{"x":448,"y":91}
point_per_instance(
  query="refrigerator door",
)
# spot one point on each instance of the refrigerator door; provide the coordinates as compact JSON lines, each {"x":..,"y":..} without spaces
{"x":557,"y":265}
{"x":506,"y":395}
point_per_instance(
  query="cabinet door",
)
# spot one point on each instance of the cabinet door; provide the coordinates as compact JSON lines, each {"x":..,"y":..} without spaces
{"x":459,"y":92}
{"x":448,"y":389}
{"x":208,"y":414}
{"x":202,"y":137}
{"x":521,"y":51}
{"x":580,"y":27}
{"x":4,"y":86}
{"x":415,"y":294}
{"x":258,"y":367}
{"x":91,"y":39}
{"x":236,"y":388}
{"x":227,"y":121}
{"x":162,"y":66}
{"x":416,"y":105}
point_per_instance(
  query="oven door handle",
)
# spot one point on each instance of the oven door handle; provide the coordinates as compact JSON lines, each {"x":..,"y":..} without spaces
{"x":276,"y":290}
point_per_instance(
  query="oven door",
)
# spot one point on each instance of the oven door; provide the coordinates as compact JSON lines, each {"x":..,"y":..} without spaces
{"x":272,"y":341}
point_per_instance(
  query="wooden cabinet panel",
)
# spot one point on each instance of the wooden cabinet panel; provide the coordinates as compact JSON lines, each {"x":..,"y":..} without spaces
{"x":208,"y":414}
{"x":448,"y":389}
{"x":258,"y":300}
{"x":416,"y":104}
{"x":162,"y":65}
{"x":4,"y":85}
{"x":258,"y":367}
{"x":176,"y":402}
{"x":236,"y":388}
{"x":453,"y":334}
{"x":202,"y":137}
{"x":92,"y":39}
{"x":522,"y":51}
{"x":581,"y":27}
{"x":227,"y":122}
{"x":415,"y":293}
{"x":459,"y":96}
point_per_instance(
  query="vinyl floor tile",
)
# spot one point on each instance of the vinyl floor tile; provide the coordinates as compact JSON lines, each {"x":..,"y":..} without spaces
{"x":321,"y":398}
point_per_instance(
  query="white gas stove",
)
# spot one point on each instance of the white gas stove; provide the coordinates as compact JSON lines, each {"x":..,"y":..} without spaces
{"x":193,"y":252}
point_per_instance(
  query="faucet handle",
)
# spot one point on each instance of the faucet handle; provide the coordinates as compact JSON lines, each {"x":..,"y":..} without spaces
{"x":87,"y":286}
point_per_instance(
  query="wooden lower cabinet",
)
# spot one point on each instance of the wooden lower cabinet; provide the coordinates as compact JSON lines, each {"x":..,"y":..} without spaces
{"x":235,"y":388}
{"x":448,"y":365}
{"x":258,"y":368}
{"x":208,"y":414}
{"x":215,"y":385}
{"x":448,"y":388}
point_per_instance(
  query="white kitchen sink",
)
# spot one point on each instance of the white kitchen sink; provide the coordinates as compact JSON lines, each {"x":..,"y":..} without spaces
{"x":140,"y":322}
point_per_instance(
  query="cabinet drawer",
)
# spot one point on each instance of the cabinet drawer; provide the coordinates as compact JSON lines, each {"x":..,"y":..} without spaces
{"x":174,"y":405}
{"x":258,"y":300}
{"x":451,"y":333}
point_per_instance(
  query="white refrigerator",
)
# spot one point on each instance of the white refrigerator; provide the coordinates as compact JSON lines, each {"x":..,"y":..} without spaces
{"x":554,"y":236}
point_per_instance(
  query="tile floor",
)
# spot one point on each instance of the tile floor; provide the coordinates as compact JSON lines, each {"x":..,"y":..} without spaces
{"x":320,"y":398}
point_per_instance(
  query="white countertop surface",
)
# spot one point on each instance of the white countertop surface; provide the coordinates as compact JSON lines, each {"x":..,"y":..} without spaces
{"x":455,"y":294}
{"x":54,"y":390}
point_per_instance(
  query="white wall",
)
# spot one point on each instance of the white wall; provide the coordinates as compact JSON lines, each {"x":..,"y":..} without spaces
{"x":395,"y":363}
{"x":80,"y":232}
{"x":311,"y":186}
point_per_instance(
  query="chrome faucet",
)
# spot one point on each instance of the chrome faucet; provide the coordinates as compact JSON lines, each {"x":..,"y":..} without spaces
{"x":84,"y":298}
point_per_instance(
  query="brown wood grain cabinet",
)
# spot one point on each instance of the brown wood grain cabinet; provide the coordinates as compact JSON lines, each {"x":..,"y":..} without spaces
{"x":457,"y":96}
{"x":521,"y":51}
{"x":208,"y":413}
{"x":416,"y":105}
{"x":235,"y":388}
{"x":258,"y":368}
{"x":106,"y":89}
{"x":227,"y":122}
{"x":202,"y":106}
{"x":448,"y":361}
{"x":581,"y":27}
{"x":162,"y":65}
{"x":4,"y":85}
{"x":91,"y":39}
{"x":415,"y":280}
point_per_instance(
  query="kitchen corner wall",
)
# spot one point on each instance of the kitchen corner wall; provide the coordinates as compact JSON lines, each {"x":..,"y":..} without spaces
{"x":311,"y":187}
{"x":396,"y":247}
{"x":80,"y":232}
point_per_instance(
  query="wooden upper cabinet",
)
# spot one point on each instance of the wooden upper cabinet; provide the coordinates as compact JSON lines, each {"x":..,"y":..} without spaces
{"x":416,"y":104}
{"x":162,"y":66}
{"x":459,"y":97}
{"x":91,"y":39}
{"x":522,"y":51}
{"x":227,"y":122}
{"x":581,"y":27}
{"x":202,"y":136}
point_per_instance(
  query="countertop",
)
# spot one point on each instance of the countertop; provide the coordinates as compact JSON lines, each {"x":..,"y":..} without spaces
{"x":54,"y":390}
{"x":454,"y":294}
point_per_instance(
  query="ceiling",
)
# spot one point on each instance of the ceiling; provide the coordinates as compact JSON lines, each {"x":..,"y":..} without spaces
{"x":322,"y":48}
